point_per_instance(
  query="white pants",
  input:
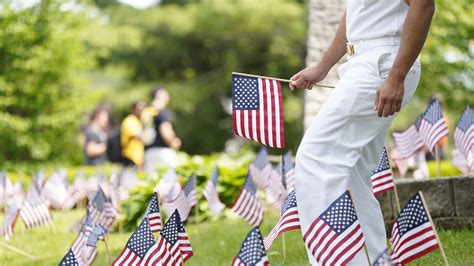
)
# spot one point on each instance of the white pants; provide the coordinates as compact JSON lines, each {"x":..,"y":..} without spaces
{"x":343,"y":144}
{"x":160,"y":156}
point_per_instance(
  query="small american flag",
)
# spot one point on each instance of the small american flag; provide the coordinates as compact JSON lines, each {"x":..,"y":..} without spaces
{"x":98,"y":233}
{"x":184,"y":243}
{"x":412,"y":233}
{"x":34,"y":211}
{"x":335,"y":237}
{"x":101,"y":209}
{"x":432,"y":127}
{"x":289,"y":220}
{"x":275,"y":192}
{"x":186,"y":199}
{"x":153,"y":214}
{"x":70,"y":259}
{"x":137,"y":246}
{"x":247,"y":204}
{"x":211,"y":194}
{"x":382,"y":179}
{"x":261,"y":169}
{"x":85,"y":253}
{"x":258,"y":110}
{"x":288,"y":175}
{"x":460,"y":162}
{"x":464,"y":134}
{"x":408,"y":142}
{"x":9,"y":221}
{"x":7,"y":191}
{"x":166,"y":250}
{"x":252,"y":251}
{"x":384,"y":259}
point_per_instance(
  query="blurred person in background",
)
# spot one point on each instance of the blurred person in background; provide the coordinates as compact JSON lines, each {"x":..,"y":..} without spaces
{"x":161,"y":141}
{"x":131,"y":131}
{"x":95,"y":143}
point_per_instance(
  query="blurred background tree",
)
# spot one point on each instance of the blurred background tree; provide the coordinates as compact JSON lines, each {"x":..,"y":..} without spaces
{"x":59,"y":58}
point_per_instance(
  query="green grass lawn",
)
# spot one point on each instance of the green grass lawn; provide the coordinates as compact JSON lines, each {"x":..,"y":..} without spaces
{"x":214,"y":243}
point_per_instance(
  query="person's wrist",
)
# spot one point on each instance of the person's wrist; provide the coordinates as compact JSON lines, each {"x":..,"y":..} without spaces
{"x":397,"y":76}
{"x":324,"y":65}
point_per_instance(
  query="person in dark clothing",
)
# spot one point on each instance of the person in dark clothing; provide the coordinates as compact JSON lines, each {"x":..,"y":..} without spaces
{"x":95,"y":145}
{"x":160,"y":139}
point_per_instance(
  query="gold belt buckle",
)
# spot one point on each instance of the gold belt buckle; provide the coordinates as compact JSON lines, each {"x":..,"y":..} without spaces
{"x":350,"y":49}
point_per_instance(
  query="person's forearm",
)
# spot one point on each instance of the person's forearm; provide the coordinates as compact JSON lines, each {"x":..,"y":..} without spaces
{"x":337,"y":49}
{"x":414,"y":33}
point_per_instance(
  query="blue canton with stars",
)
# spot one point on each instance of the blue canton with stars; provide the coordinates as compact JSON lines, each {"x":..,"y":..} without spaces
{"x":341,"y":214}
{"x":466,"y":120}
{"x":253,"y":249}
{"x":412,"y":215}
{"x":433,"y":114}
{"x":141,"y":240}
{"x":289,"y":203}
{"x":69,"y":259}
{"x":170,"y":230}
{"x":261,"y":159}
{"x":153,"y":205}
{"x":250,"y":185}
{"x":190,"y":184}
{"x":418,"y":121}
{"x":383,"y":259}
{"x":215,"y":175}
{"x":99,"y":200}
{"x":244,"y":93}
{"x":97,"y":233}
{"x":384,"y":164}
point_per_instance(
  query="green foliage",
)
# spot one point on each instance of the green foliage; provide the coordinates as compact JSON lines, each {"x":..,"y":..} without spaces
{"x":41,"y":101}
{"x":233,"y":169}
{"x":447,"y":169}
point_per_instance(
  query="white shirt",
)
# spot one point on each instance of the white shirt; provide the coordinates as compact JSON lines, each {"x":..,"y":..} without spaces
{"x":371,"y":19}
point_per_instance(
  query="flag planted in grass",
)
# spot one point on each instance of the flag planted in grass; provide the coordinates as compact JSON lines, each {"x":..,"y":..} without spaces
{"x":335,"y":237}
{"x":211,"y":194}
{"x":288,"y":175}
{"x":464,"y":135}
{"x":184,"y":243}
{"x":413,"y":236}
{"x":432,"y":126}
{"x":289,"y":220}
{"x":9,"y":221}
{"x":247,"y":204}
{"x":382,"y":179}
{"x":34,"y":211}
{"x":408,"y":142}
{"x":70,"y":259}
{"x":153,"y":214}
{"x":257,"y":110}
{"x":252,"y":251}
{"x":261,"y":169}
{"x":137,"y":246}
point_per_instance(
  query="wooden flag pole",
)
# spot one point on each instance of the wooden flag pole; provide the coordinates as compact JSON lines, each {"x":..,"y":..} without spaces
{"x":365,"y":246}
{"x":438,"y":160}
{"x":278,"y":79}
{"x":109,"y":261}
{"x":397,"y":200}
{"x":17,"y":250}
{"x":443,"y":254}
{"x":283,"y":244}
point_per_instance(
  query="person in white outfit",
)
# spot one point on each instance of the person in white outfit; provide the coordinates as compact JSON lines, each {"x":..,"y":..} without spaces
{"x":341,"y":147}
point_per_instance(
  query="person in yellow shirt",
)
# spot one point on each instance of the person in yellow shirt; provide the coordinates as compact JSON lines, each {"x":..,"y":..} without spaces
{"x":131,"y":131}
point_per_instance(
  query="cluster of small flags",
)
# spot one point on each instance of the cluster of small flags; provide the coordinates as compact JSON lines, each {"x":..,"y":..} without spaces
{"x":430,"y":128}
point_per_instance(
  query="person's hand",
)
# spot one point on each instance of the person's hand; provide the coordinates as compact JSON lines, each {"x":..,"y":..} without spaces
{"x":308,"y":77}
{"x":176,"y":143}
{"x":388,"y":98}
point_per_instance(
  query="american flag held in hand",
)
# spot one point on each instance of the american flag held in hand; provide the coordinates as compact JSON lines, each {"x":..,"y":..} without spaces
{"x":252,"y":251}
{"x":247,"y":204}
{"x":382,"y":179}
{"x":137,"y":246}
{"x":335,"y":237}
{"x":413,"y":236}
{"x":153,"y":214}
{"x":167,"y":249}
{"x":257,"y":110}
{"x":464,"y":135}
{"x":34,"y":211}
{"x":408,"y":142}
{"x":211,"y":194}
{"x":432,"y":126}
{"x":289,"y":220}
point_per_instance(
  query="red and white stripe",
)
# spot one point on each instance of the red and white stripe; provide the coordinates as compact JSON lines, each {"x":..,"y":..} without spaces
{"x":275,"y":192}
{"x":262,"y":262}
{"x":290,"y":180}
{"x":460,"y":162}
{"x":162,"y":253}
{"x":210,"y":193}
{"x":329,"y":248}
{"x":248,"y":207}
{"x":289,"y":221}
{"x":127,"y":257}
{"x":261,"y":178}
{"x":185,"y":246}
{"x":432,"y":134}
{"x":382,"y":182}
{"x":35,"y":215}
{"x":264,"y":125}
{"x":408,"y":142}
{"x":154,"y":220}
{"x":464,"y":141}
{"x":413,"y":244}
{"x":9,"y":224}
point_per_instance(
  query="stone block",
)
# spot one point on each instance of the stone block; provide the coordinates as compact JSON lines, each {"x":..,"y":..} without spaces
{"x":464,"y":196}
{"x":454,"y":223}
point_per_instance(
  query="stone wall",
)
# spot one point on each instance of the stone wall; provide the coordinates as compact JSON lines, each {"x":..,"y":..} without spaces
{"x":450,"y":200}
{"x":324,"y":18}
